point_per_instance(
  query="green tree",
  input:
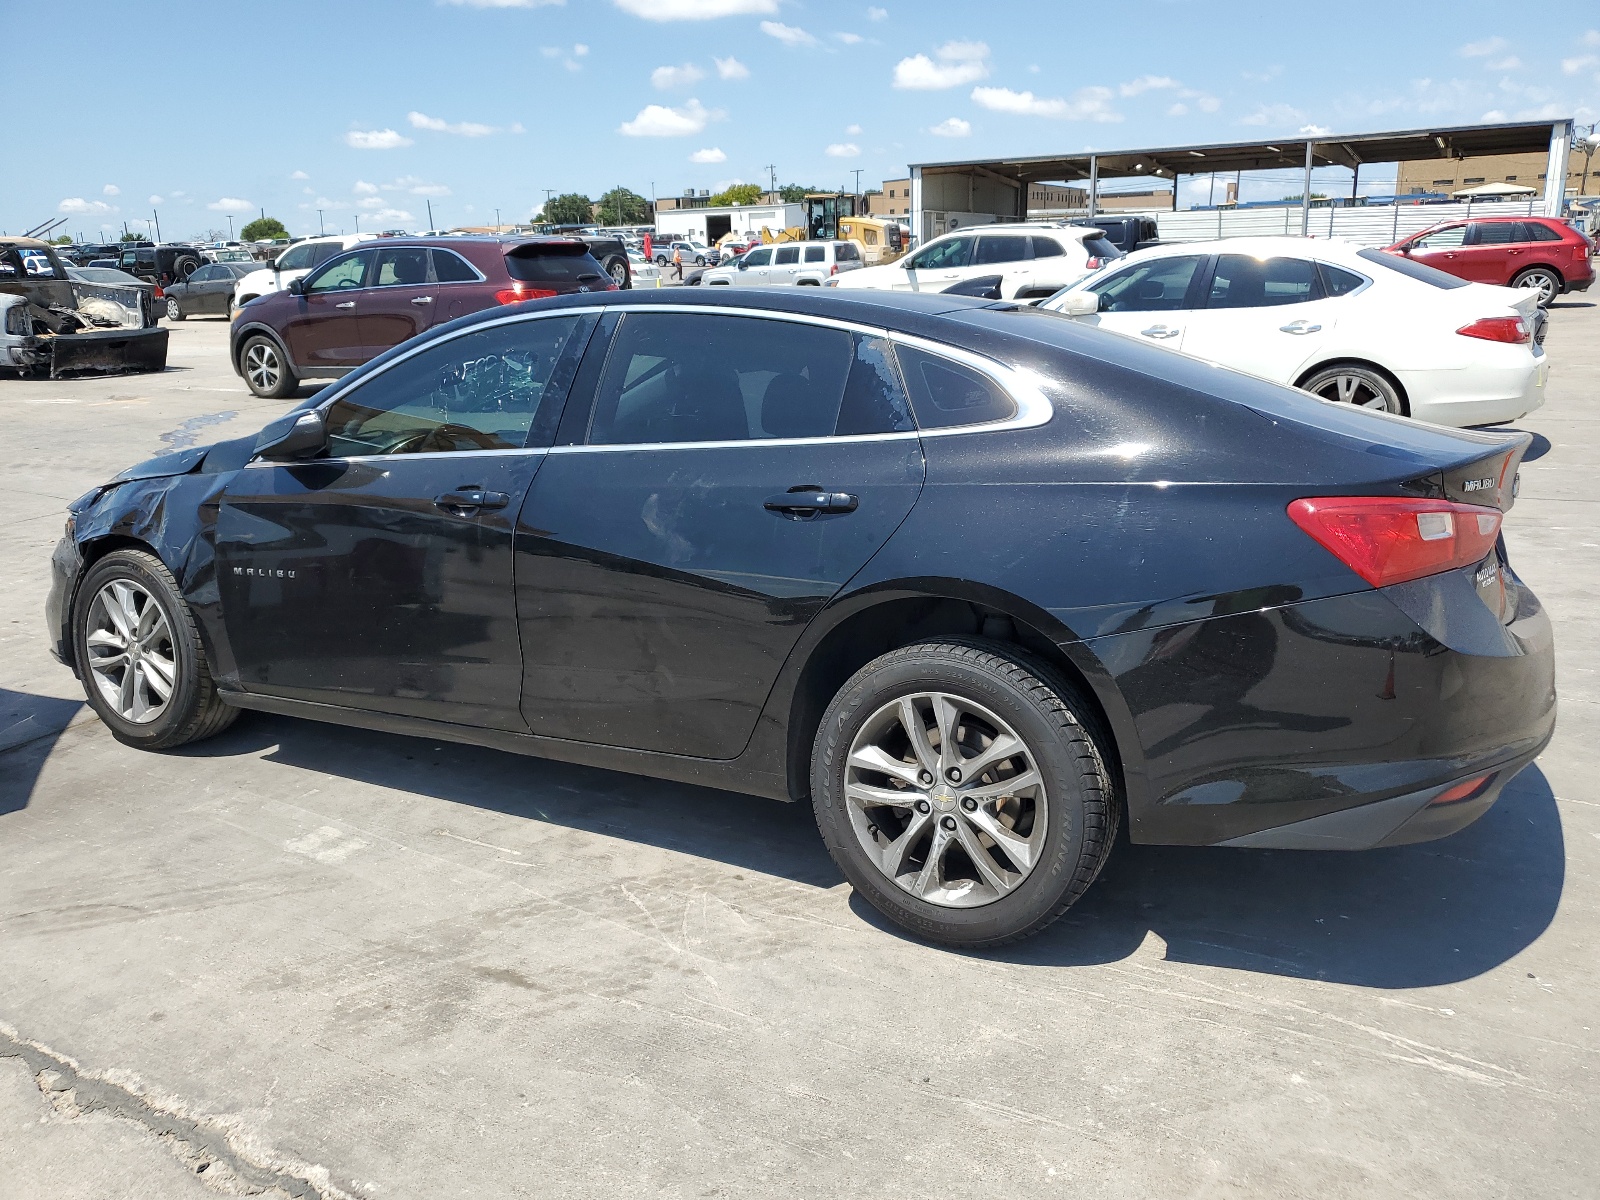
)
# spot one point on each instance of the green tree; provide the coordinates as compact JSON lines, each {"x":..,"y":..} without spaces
{"x":573,"y":208}
{"x":63,"y":240}
{"x":793,"y":193}
{"x":620,"y":206}
{"x":739,"y":193}
{"x":263,"y":229}
{"x":131,"y":237}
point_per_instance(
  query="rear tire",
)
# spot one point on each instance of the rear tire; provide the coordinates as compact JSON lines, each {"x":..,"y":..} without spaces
{"x":1542,"y":280}
{"x":266,"y":371}
{"x":617,"y":268}
{"x":1347,"y":383}
{"x":174,"y":312}
{"x":133,"y":636}
{"x":914,"y":840}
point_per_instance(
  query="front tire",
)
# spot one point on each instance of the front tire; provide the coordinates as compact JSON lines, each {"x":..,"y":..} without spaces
{"x":963,"y":789}
{"x":139,"y":655}
{"x":266,"y":371}
{"x":174,"y":312}
{"x":1346,"y":383}
{"x":1542,"y":280}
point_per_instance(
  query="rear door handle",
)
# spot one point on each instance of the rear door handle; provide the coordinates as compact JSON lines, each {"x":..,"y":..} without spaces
{"x":1300,"y":327}
{"x":811,"y":501}
{"x":1160,"y":331}
{"x":469,"y":501}
{"x":346,"y":304}
{"x":422,"y":300}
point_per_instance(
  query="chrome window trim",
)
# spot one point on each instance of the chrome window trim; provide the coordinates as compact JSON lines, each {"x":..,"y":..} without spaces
{"x":389,"y":458}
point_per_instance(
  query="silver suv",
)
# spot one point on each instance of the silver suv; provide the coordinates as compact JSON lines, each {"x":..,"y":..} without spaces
{"x":809,"y":263}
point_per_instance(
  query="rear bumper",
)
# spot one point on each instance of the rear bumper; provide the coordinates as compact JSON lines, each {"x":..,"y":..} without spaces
{"x":1482,"y":394}
{"x":1332,"y":723}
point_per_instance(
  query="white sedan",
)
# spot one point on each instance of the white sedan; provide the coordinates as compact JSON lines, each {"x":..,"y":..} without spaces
{"x":1349,"y":324}
{"x":1024,"y":262}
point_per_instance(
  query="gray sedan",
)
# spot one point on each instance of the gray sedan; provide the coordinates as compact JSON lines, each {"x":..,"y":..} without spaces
{"x":207,"y":292}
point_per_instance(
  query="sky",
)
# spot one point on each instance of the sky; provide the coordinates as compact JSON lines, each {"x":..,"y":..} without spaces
{"x":372,"y":110}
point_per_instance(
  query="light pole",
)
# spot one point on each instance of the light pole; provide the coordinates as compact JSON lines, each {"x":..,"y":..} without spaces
{"x":358,"y":222}
{"x":157,"y":217}
{"x":429,"y":203}
{"x":497,"y":220}
{"x":1590,"y":143}
{"x":230,"y":227}
{"x":858,"y":181}
{"x":321,"y":230}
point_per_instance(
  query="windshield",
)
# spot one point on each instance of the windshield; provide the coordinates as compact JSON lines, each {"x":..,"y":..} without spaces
{"x":1421,"y":272}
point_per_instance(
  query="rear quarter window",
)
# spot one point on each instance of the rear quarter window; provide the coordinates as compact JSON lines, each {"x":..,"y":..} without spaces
{"x":946,"y":394}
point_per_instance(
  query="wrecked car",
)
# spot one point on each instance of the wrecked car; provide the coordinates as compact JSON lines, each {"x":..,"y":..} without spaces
{"x":52,"y":325}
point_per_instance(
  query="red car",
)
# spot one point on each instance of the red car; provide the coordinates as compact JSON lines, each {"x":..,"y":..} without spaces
{"x":377,"y":295}
{"x":1541,"y":253}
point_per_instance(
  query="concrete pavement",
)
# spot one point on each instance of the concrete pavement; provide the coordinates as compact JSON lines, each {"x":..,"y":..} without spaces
{"x":325,"y":962}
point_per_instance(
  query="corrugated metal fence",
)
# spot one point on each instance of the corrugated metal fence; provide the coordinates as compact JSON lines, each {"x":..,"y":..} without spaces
{"x":1376,"y":225}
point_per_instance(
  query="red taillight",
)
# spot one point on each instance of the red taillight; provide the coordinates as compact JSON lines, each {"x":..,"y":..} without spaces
{"x":160,"y":295}
{"x":1390,"y":539}
{"x":833,"y":270}
{"x":1092,"y":263}
{"x":518,"y":292}
{"x":1498,"y":329}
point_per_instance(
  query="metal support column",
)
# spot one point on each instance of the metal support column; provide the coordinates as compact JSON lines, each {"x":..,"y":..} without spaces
{"x":919,"y":220}
{"x":1555,"y":172}
{"x":1305,"y":196}
{"x":1094,"y":182}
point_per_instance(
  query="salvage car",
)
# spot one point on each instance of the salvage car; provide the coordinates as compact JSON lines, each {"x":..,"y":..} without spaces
{"x":116,"y":278}
{"x":1351,"y":324}
{"x":53,"y":325}
{"x":978,"y":583}
{"x":359,"y":304}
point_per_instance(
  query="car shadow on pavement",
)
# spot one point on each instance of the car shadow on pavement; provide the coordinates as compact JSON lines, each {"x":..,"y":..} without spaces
{"x":748,"y":832}
{"x":1407,"y":917}
{"x":29,"y":727}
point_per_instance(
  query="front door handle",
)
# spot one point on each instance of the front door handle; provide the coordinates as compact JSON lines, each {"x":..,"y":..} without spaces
{"x":1160,"y":331}
{"x":423,"y":300}
{"x":808,"y":502}
{"x":469,"y":501}
{"x":346,"y":304}
{"x":1300,"y":327}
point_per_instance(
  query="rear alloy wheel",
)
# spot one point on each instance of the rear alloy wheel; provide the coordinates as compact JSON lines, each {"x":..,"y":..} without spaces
{"x":618,"y":270}
{"x":174,"y":313}
{"x":265,"y":371}
{"x":1542,"y":280}
{"x":1361,"y":386}
{"x":963,"y":790}
{"x":139,"y":655}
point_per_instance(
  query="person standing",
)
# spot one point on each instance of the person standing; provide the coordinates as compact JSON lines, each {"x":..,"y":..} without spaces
{"x":677,"y":261}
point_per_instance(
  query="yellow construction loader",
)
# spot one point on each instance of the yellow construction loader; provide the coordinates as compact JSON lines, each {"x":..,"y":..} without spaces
{"x":881,"y":241}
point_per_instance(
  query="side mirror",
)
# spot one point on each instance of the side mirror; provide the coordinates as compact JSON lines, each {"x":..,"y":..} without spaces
{"x":1079,"y":304}
{"x":743,"y":266}
{"x":1406,"y":249}
{"x":296,"y":287}
{"x":297,"y":435}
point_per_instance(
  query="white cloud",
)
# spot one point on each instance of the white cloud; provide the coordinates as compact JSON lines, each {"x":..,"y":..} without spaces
{"x":111,"y":189}
{"x":309,"y":191}
{"x":1581,"y":62}
{"x":657,"y":120}
{"x":849,"y":39}
{"x":1315,"y":130}
{"x":1180,"y":109}
{"x":1486,"y":47}
{"x":1592,"y":38}
{"x":387,"y":215}
{"x":1510,"y":63}
{"x":1087,"y":104}
{"x":431,"y":190}
{"x":843,"y":150}
{"x":1274,"y":114}
{"x":372,"y":202}
{"x":579,"y":50}
{"x":1266,"y":76}
{"x":154,"y":199}
{"x":877,"y":14}
{"x":711,"y":154}
{"x":1147,"y":83}
{"x":666,"y":78}
{"x":79,"y":207}
{"x":852,"y":129}
{"x":299,"y":175}
{"x":363,"y":188}
{"x":959,"y":63}
{"x":375,"y":139}
{"x":1493,"y":116}
{"x":471,"y":129}
{"x":1207,"y":103}
{"x":731,"y":68}
{"x":696,"y":10}
{"x":231,"y":204}
{"x":504,"y":3}
{"x":952,"y":127}
{"x":789,"y":35}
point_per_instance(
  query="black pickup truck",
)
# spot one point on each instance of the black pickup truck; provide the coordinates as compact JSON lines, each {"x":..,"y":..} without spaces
{"x":1126,"y":233}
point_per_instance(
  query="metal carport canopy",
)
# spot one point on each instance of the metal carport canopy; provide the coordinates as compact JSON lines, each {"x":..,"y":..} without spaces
{"x":1318,"y":150}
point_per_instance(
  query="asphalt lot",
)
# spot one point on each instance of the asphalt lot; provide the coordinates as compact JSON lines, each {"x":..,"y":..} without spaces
{"x":335,"y":962}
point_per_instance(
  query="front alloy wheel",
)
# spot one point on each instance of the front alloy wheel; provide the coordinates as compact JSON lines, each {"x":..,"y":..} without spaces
{"x":132,"y":660}
{"x":265,"y":371}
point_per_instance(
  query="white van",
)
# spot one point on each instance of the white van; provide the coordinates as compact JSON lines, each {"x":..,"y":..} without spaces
{"x":293,"y":263}
{"x":808,"y":263}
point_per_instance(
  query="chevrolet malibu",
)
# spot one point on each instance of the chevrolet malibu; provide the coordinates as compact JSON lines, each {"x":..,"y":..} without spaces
{"x":978,"y":583}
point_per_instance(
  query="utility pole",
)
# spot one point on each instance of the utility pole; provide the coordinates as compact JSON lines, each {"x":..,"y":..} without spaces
{"x":230,"y":227}
{"x":497,"y":220}
{"x":772,"y":173}
{"x":321,"y":231}
{"x":157,"y":217}
{"x":429,"y":203}
{"x":358,"y":222}
{"x":858,"y":181}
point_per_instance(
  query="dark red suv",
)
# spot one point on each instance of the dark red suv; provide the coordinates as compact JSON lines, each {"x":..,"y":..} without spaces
{"x":372,"y":297}
{"x":1541,"y":253}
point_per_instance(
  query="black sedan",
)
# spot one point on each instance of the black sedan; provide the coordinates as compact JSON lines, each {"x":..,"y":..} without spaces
{"x":976,"y":582}
{"x":208,"y":292}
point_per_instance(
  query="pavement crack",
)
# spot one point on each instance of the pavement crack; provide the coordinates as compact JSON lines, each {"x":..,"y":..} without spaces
{"x":220,"y":1151}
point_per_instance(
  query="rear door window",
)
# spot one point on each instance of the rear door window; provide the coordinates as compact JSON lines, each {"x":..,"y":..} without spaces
{"x":688,"y":377}
{"x":1008,"y":248}
{"x":1500,"y":233}
{"x":786,"y":255}
{"x":1157,"y":285}
{"x":1243,"y":281}
{"x":401,"y":266}
{"x":946,"y":393}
